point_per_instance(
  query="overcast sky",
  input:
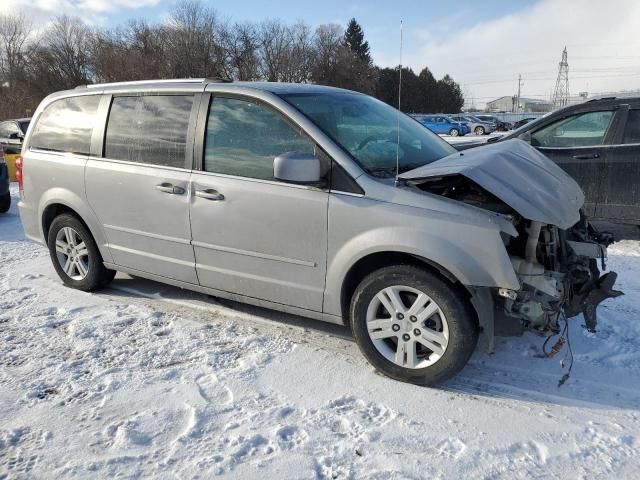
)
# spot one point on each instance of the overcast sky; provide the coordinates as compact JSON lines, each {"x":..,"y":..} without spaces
{"x":483,"y":45}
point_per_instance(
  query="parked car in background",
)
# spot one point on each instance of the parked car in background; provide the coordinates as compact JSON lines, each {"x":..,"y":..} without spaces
{"x":443,"y":125}
{"x":315,"y":201}
{"x":598,"y":144}
{"x":5,"y":196}
{"x":501,"y":125}
{"x":12,"y":133}
{"x":522,"y":122}
{"x":477,"y":126}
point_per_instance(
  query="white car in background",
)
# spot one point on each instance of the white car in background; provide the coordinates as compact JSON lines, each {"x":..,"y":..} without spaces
{"x":477,"y":126}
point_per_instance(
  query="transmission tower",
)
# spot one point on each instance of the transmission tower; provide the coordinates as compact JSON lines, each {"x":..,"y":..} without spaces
{"x":561,"y":93}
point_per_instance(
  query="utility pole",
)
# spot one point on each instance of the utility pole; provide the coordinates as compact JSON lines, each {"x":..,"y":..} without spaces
{"x":518,"y":97}
{"x":561,"y":92}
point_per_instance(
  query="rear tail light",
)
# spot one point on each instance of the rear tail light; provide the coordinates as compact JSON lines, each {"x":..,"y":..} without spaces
{"x":19,"y":172}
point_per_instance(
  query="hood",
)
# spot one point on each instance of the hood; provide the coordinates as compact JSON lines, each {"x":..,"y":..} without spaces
{"x":517,"y":174}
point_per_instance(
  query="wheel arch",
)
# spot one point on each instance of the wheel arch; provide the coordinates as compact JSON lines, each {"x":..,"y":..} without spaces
{"x":377,"y":260}
{"x":479,"y":299}
{"x":55,"y":203}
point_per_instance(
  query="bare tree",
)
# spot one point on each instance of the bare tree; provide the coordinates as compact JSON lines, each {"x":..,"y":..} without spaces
{"x":62,"y":59}
{"x":301,"y":54}
{"x":241,"y":44}
{"x":133,"y":52}
{"x":275,"y":43}
{"x":193,"y":49}
{"x":328,"y":42}
{"x":16,"y":47}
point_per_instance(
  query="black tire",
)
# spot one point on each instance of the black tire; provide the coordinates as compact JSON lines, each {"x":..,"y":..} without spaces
{"x":98,"y":276}
{"x":479,"y":131}
{"x":454,"y":132}
{"x":5,"y":203}
{"x":460,"y":318}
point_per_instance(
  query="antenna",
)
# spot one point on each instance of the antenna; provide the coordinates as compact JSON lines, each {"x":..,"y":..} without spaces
{"x":399,"y":109}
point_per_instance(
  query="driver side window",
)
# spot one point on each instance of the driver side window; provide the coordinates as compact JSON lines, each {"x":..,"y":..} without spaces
{"x":244,"y":137}
{"x":581,"y":130}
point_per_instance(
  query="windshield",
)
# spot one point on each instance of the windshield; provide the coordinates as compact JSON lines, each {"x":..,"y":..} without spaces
{"x":367,"y":129}
{"x":532,"y":123}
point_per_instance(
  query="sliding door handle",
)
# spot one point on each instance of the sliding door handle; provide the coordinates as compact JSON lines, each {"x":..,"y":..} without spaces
{"x":169,"y":188}
{"x":587,"y":156}
{"x":210,"y":194}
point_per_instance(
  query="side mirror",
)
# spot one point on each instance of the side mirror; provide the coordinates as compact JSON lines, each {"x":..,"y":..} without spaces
{"x":297,"y":167}
{"x":525,"y":136}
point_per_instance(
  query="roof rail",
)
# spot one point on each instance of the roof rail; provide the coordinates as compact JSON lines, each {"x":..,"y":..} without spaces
{"x":139,"y":82}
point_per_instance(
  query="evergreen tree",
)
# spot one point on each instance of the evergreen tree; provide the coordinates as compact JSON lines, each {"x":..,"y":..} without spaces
{"x":354,"y":39}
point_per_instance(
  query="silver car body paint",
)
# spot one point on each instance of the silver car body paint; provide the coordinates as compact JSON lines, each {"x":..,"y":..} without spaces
{"x":309,"y":238}
{"x":519,"y":175}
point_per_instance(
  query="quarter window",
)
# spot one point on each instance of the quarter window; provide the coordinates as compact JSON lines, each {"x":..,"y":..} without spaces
{"x":243,"y":138}
{"x":149,"y":129}
{"x":582,"y":130}
{"x":632,"y":128}
{"x":66,"y":125}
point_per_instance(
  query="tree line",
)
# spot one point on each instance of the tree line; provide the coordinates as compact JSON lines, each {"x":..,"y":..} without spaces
{"x":194,"y":42}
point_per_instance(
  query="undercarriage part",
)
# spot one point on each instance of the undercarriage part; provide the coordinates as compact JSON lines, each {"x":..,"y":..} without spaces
{"x":558,"y":273}
{"x":591,"y":296}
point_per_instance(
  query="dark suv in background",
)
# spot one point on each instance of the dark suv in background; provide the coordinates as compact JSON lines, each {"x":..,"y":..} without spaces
{"x":598,"y":144}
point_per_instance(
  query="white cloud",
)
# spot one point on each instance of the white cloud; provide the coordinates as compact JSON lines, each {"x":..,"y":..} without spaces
{"x":601,"y":38}
{"x":89,"y":10}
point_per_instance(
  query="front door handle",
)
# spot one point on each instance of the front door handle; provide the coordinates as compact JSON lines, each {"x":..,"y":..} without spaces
{"x":587,"y":156}
{"x":169,"y":188}
{"x":210,"y":194}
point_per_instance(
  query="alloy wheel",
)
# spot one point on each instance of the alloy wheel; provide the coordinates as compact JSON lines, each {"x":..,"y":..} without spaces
{"x":72,"y":253}
{"x":407,"y":327}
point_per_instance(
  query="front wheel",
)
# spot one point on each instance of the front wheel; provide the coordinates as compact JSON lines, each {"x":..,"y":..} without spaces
{"x":454,"y":132}
{"x":479,"y":131}
{"x":5,"y":202}
{"x":75,"y":255}
{"x":412,"y":326}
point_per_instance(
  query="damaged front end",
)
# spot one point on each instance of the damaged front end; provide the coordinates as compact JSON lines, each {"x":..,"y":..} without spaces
{"x":555,"y":252}
{"x":558,"y":273}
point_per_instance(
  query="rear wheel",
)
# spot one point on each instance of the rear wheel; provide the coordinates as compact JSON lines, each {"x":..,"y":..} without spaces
{"x":5,"y":202}
{"x":412,"y":326}
{"x":454,"y":132}
{"x":75,"y":255}
{"x":479,"y":131}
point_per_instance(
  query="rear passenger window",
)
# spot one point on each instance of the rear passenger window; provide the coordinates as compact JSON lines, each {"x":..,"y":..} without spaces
{"x":243,"y":138}
{"x":149,"y":129}
{"x":632,"y":128}
{"x":66,"y":125}
{"x":581,"y":130}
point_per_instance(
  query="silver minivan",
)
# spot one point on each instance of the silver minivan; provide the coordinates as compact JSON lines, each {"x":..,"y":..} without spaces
{"x":314,"y":201}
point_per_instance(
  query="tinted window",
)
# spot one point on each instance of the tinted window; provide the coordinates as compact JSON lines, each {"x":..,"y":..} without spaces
{"x":149,"y":129}
{"x":632,"y":129}
{"x":24,"y":126}
{"x":368,"y":130}
{"x":580,"y":130}
{"x":243,"y":138}
{"x":66,"y":125}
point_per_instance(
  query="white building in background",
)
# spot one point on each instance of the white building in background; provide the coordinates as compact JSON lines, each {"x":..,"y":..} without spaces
{"x":621,"y":94}
{"x":508,"y":104}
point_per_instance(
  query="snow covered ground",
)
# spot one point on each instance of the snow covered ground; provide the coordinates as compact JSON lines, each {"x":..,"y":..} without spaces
{"x":146,"y":380}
